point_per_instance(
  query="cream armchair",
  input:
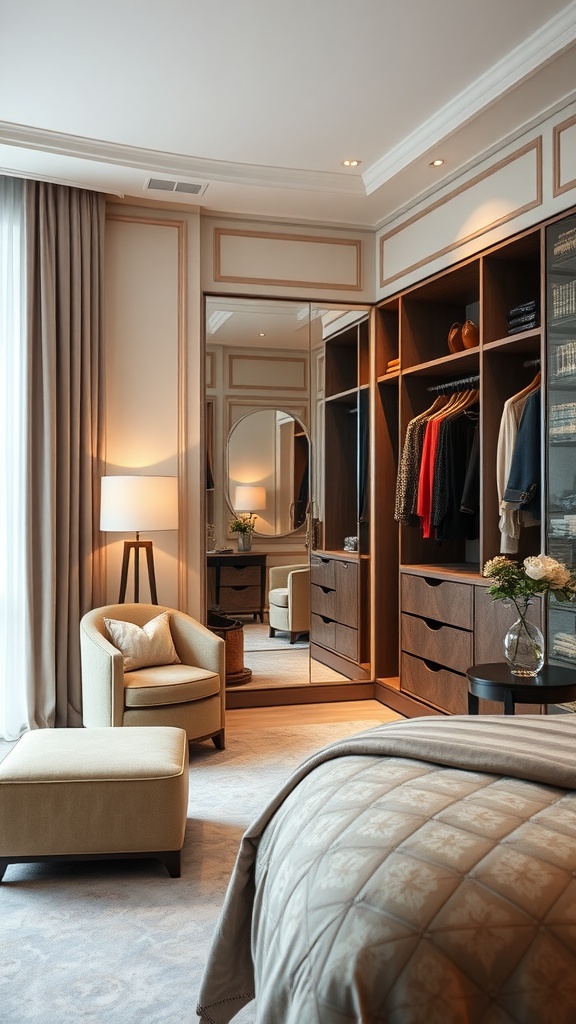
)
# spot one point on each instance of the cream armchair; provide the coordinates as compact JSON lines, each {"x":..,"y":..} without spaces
{"x":289,"y":600}
{"x":189,"y":695}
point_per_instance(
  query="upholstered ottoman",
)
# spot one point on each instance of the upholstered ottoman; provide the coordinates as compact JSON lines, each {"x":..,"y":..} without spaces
{"x":74,"y":794}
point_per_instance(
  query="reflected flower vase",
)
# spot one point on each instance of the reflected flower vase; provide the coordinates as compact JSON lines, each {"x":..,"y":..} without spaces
{"x":244,"y":542}
{"x":524,"y":645}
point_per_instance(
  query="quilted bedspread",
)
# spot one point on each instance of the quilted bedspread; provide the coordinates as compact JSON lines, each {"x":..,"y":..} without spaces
{"x":423,"y":872}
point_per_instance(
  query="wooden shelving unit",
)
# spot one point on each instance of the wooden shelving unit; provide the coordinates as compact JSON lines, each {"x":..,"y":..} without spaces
{"x":413,"y":327}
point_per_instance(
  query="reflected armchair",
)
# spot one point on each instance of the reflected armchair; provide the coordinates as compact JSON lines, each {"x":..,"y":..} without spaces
{"x":189,"y":694}
{"x":289,"y":600}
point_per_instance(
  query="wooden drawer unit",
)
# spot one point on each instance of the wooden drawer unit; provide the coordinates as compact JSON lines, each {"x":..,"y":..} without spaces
{"x":240,"y":599}
{"x":335,"y":599}
{"x":239,"y":582}
{"x":322,"y":571}
{"x":445,"y":690}
{"x":335,"y":636}
{"x":240,"y":576}
{"x":346,"y":641}
{"x":323,"y":601}
{"x":323,"y":631}
{"x":347,"y":593}
{"x":443,"y":600}
{"x":442,"y":644}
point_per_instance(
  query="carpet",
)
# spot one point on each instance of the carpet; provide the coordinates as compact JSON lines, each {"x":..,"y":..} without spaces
{"x":120,"y":942}
{"x":256,"y":639}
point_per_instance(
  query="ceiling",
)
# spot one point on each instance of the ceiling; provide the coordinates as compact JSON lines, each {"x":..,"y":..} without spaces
{"x":257,"y":102}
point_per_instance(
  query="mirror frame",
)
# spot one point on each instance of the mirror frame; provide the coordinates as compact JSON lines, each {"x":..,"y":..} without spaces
{"x":302,"y":426}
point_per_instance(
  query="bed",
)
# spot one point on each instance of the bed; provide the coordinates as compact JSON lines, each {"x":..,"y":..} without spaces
{"x":421,"y":872}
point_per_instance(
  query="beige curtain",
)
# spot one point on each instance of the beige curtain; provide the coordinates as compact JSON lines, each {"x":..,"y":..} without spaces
{"x":65,"y":257}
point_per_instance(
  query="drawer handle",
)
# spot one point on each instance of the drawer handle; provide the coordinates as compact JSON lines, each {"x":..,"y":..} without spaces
{"x":431,"y":582}
{"x":433,"y":625}
{"x":432,"y":666}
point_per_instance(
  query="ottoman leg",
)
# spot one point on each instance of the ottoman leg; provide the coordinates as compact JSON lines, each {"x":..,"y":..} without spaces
{"x":171,"y":860}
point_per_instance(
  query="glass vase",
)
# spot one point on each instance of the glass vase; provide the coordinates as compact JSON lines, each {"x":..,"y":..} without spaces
{"x":244,"y":542}
{"x":524,"y":645}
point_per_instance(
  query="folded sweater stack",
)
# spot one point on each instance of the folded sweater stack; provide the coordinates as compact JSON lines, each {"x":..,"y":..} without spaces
{"x":523,"y":317}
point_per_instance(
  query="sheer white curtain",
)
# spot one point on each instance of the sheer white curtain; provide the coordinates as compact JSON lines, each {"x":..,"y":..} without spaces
{"x":14,"y":628}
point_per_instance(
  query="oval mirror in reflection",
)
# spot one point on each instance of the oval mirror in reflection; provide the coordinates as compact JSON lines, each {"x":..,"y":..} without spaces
{"x":268,"y":456}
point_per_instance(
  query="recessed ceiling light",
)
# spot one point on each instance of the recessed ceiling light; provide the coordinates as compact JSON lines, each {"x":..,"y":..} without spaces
{"x":261,"y":334}
{"x":436,"y":163}
{"x":351,"y":163}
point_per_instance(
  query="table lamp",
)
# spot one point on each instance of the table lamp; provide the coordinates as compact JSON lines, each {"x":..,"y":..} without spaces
{"x":249,"y":498}
{"x":138,"y":503}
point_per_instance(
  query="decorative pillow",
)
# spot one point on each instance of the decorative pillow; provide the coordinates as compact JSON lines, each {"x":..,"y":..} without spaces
{"x":143,"y":646}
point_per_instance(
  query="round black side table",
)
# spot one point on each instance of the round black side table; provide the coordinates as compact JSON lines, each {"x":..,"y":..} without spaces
{"x":494,"y":681}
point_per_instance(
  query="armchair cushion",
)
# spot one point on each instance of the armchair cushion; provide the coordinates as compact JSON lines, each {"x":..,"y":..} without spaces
{"x":279,"y":597}
{"x":143,"y":646}
{"x":169,"y":684}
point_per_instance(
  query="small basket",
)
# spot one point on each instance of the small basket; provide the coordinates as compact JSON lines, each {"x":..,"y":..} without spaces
{"x":232,"y":632}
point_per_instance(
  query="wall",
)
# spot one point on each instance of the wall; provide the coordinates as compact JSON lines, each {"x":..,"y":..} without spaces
{"x":528,"y":181}
{"x":154,"y":395}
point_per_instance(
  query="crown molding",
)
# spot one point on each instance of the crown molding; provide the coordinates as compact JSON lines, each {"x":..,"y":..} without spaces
{"x":556,"y":35}
{"x":151,"y":160}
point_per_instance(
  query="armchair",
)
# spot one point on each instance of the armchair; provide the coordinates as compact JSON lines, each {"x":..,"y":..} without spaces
{"x":289,"y":600}
{"x":189,"y":695}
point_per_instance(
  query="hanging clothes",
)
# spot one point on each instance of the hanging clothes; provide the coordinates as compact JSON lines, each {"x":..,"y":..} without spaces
{"x":522,"y":492}
{"x":436,"y":466}
{"x":409,"y":466}
{"x":510,"y":520}
{"x":426,"y":476}
{"x":457,"y":475}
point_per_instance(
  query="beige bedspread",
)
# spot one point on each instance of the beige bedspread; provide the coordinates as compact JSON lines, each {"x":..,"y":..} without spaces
{"x":423,"y":872}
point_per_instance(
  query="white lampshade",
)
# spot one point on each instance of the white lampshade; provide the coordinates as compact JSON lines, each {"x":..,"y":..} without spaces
{"x":139,"y":503}
{"x":249,"y":498}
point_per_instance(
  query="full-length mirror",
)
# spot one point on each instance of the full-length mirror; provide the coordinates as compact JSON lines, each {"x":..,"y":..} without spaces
{"x":274,"y":415}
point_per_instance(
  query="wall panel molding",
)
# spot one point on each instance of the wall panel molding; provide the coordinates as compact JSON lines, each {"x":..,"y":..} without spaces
{"x":276,"y":374}
{"x":286,"y":260}
{"x":564,"y":156}
{"x":236,"y":409}
{"x":499,"y":194}
{"x":179,"y":314}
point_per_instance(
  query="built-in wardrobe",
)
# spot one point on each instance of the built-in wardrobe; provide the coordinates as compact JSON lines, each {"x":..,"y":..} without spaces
{"x":433,"y":617}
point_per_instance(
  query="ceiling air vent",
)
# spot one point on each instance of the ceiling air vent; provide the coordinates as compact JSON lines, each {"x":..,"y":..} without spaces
{"x":189,"y":188}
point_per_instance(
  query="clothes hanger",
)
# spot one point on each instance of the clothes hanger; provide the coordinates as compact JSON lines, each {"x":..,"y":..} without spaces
{"x":533,"y":386}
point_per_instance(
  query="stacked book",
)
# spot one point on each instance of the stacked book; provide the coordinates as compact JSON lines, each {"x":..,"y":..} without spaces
{"x":563,"y":361}
{"x":565,"y":245}
{"x":563,"y":421}
{"x":564,"y":299}
{"x":523,"y":317}
{"x":393,"y":364}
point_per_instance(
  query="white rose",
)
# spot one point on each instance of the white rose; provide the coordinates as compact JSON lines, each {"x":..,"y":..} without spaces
{"x":536,"y":567}
{"x":542,"y":567}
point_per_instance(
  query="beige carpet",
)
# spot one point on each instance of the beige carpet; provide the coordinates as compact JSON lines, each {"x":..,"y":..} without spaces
{"x":121,"y":942}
